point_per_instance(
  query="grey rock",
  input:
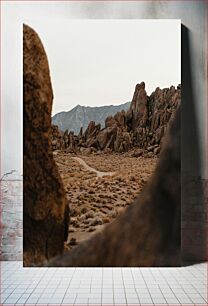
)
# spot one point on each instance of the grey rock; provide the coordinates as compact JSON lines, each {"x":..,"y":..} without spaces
{"x":80,"y":116}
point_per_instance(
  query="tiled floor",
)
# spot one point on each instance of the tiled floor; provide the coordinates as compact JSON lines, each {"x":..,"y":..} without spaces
{"x":107,"y":286}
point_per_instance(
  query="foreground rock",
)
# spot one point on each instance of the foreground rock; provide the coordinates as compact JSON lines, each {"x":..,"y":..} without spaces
{"x":45,"y":205}
{"x":148,"y":232}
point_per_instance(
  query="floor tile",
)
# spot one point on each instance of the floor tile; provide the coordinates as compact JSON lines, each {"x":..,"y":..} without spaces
{"x":111,"y":286}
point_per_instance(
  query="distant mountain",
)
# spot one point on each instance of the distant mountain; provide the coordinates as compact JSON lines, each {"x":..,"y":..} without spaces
{"x":80,"y":116}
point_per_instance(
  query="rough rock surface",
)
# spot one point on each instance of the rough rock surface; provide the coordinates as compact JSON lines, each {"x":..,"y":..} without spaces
{"x":45,"y":204}
{"x":148,"y":231}
{"x":143,"y":125}
{"x":57,"y":140}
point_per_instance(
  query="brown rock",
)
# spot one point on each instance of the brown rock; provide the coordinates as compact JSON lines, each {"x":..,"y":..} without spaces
{"x":143,"y":125}
{"x":56,"y":138}
{"x":92,"y":142}
{"x":151,"y":148}
{"x":110,"y":121}
{"x":122,"y":142}
{"x":137,"y":153}
{"x":80,"y":132}
{"x":150,"y":154}
{"x":96,"y":221}
{"x":120,"y":119}
{"x":139,"y":106}
{"x":106,"y":137}
{"x":156,"y":150}
{"x":73,"y":241}
{"x":45,"y":205}
{"x":162,"y":106}
{"x":86,"y":151}
{"x":92,"y":130}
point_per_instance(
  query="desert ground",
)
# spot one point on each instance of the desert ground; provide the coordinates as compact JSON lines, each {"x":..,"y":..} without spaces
{"x":99,"y":187}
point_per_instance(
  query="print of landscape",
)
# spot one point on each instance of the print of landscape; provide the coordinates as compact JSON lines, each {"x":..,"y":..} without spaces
{"x":105,"y":155}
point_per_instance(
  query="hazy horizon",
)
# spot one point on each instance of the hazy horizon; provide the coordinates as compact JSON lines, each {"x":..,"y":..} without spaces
{"x":99,"y":62}
{"x":91,"y":106}
{"x":106,"y":103}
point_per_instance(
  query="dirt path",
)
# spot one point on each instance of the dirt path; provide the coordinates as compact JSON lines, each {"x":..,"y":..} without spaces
{"x":99,"y":188}
{"x":99,"y":173}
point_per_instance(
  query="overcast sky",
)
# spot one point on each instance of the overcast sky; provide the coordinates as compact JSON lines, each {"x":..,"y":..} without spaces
{"x":99,"y":62}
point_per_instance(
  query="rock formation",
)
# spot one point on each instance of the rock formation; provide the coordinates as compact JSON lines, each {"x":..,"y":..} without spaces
{"x":46,"y":212}
{"x":148,"y":231}
{"x":57,"y":140}
{"x":142,"y":126}
{"x":82,"y":115}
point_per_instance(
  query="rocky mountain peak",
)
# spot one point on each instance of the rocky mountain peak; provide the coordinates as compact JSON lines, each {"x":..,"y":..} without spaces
{"x":141,"y":126}
{"x":80,"y":116}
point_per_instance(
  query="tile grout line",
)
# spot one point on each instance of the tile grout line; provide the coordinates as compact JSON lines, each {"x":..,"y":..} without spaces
{"x":135,"y":287}
{"x":124,"y":284}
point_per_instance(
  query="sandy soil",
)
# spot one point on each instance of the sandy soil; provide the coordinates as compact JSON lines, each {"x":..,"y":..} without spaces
{"x":94,"y":199}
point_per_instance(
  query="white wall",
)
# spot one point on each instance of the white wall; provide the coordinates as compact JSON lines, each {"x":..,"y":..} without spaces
{"x":192,"y":15}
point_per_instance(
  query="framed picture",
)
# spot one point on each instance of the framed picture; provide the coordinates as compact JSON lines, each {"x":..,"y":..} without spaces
{"x":101,"y":108}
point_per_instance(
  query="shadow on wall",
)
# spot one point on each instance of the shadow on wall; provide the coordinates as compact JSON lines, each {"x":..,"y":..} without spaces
{"x":193,"y":223}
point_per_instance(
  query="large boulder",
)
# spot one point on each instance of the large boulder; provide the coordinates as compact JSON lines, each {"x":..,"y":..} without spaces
{"x":110,"y":121}
{"x":162,"y":107}
{"x":106,"y":137}
{"x":92,"y":130}
{"x":46,"y":212}
{"x":139,"y":106}
{"x":56,"y":138}
{"x":122,"y":142}
{"x":120,"y":119}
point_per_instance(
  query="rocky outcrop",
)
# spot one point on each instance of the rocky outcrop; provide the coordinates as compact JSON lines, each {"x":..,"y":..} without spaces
{"x":148,"y":117}
{"x":57,"y":140}
{"x":139,"y":107}
{"x":46,"y":212}
{"x":162,"y":107}
{"x":82,"y":115}
{"x":142,"y":126}
{"x":90,"y":135}
{"x":106,"y":137}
